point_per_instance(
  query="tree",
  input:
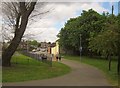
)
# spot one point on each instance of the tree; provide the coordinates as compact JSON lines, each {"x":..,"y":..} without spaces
{"x":100,"y":35}
{"x":69,"y":36}
{"x":34,"y":43}
{"x":18,"y":15}
{"x":118,"y":44}
{"x":105,"y":42}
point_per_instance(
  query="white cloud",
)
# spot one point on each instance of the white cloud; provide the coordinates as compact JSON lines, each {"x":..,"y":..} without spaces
{"x":95,"y":6}
{"x":43,"y":23}
{"x":60,"y":13}
{"x":63,"y":11}
{"x":43,"y":34}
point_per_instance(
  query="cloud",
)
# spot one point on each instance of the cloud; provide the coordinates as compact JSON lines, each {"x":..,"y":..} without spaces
{"x":43,"y":34}
{"x":43,"y":23}
{"x":50,"y":24}
{"x":95,"y":6}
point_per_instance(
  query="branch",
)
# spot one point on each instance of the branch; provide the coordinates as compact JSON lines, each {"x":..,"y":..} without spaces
{"x":22,"y":7}
{"x":28,"y":5}
{"x":31,"y":8}
{"x":16,"y":11}
{"x":39,"y":14}
{"x":11,"y":19}
{"x":17,"y":21}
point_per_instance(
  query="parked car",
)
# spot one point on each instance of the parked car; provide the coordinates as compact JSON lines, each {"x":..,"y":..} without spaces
{"x":34,"y":50}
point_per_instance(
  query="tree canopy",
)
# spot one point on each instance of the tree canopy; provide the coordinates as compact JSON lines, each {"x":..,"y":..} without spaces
{"x":100,"y":35}
{"x":88,"y":23}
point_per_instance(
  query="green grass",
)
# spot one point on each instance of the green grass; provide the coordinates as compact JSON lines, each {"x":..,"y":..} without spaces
{"x":101,"y":64}
{"x":0,"y":74}
{"x":32,"y":70}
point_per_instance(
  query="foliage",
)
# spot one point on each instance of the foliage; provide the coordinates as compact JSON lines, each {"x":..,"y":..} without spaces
{"x":69,"y":36}
{"x":105,"y":42}
{"x":33,"y":42}
{"x":100,"y":35}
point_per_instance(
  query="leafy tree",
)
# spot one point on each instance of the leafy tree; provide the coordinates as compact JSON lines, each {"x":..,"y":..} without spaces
{"x":105,"y":42}
{"x":34,"y":42}
{"x":69,"y":36}
{"x":100,"y":34}
{"x":118,"y":43}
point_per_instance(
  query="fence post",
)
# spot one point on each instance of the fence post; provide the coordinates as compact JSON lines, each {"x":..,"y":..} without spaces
{"x":51,"y":59}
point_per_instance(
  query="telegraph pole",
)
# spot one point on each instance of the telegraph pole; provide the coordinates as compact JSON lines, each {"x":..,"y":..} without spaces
{"x":112,"y":9}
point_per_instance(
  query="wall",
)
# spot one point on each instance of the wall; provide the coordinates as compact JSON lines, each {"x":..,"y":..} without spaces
{"x":55,"y":50}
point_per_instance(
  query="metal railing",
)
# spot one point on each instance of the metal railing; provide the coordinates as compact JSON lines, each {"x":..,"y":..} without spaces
{"x":39,"y":57}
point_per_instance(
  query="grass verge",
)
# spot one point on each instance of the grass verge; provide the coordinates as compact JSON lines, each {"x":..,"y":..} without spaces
{"x":100,"y":64}
{"x":23,"y":69}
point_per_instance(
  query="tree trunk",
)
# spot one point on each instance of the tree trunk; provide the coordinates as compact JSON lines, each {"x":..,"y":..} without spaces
{"x":107,"y":57}
{"x":7,"y":54}
{"x":118,"y":68}
{"x":19,"y":31}
{"x":110,"y":63}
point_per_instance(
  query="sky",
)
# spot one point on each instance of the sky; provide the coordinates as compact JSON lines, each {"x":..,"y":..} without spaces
{"x":46,"y":26}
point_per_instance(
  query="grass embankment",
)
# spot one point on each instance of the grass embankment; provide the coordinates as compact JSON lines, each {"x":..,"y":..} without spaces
{"x":100,"y":64}
{"x":31,"y":70}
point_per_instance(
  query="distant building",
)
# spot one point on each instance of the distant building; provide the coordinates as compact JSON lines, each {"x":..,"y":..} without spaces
{"x":44,"y":45}
{"x":23,"y":45}
{"x":54,"y":49}
{"x":50,"y":46}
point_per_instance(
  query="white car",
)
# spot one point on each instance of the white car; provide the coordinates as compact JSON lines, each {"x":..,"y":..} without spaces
{"x":34,"y":50}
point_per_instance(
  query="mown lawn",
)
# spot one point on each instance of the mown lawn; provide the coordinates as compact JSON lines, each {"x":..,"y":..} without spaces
{"x":100,"y":64}
{"x":23,"y":69}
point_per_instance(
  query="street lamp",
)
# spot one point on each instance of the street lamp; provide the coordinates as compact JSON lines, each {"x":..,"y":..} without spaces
{"x":80,"y":46}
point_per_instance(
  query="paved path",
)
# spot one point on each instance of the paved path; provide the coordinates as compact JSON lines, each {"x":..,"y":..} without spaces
{"x":81,"y":75}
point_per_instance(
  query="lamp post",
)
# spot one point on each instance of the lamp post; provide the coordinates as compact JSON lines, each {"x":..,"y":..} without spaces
{"x":80,"y":46}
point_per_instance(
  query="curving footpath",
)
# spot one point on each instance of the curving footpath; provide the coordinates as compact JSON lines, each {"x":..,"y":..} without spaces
{"x":81,"y":75}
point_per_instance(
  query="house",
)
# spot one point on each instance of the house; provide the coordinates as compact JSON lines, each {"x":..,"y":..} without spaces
{"x":44,"y":45}
{"x":54,"y":49}
{"x":23,"y":45}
